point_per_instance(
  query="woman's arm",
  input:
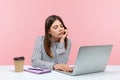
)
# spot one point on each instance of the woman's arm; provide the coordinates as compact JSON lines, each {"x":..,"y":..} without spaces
{"x":62,"y":53}
{"x":62,"y":56}
{"x":36,"y":57}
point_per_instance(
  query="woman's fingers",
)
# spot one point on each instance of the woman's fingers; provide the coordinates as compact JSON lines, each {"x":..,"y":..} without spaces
{"x":62,"y":67}
{"x":67,"y":68}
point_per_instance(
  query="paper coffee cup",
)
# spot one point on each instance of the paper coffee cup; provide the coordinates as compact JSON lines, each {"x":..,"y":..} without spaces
{"x":18,"y":63}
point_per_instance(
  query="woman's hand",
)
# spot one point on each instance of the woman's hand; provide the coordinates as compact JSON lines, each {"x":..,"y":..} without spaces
{"x":62,"y":67}
{"x":64,"y":36}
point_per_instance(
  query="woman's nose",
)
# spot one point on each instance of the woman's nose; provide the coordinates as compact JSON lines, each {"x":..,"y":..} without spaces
{"x":60,"y":28}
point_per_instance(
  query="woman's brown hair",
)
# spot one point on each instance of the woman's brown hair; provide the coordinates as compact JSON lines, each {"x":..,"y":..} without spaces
{"x":47,"y":41}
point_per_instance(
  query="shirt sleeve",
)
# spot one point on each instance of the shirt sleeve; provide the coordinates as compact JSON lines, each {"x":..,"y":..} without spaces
{"x":36,"y":57}
{"x":62,"y":53}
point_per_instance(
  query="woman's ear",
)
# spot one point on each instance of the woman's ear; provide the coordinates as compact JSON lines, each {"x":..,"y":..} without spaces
{"x":49,"y":31}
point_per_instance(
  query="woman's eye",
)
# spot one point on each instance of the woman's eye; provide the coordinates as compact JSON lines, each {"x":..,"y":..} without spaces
{"x":61,"y":26}
{"x":55,"y":27}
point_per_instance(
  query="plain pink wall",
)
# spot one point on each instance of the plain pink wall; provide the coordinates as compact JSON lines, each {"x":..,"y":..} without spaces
{"x":90,"y":22}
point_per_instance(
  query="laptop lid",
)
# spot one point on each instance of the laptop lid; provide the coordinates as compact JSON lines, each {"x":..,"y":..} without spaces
{"x":92,"y":59}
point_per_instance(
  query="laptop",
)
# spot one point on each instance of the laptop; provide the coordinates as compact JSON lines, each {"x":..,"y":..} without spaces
{"x":91,"y":59}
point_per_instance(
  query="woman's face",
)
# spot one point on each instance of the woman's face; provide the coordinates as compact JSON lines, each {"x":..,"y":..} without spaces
{"x":56,"y":30}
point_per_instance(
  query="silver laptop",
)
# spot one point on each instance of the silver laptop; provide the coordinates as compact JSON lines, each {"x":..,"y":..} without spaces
{"x":91,"y":59}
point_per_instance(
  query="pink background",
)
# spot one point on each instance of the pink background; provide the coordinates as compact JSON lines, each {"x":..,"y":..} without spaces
{"x":90,"y":22}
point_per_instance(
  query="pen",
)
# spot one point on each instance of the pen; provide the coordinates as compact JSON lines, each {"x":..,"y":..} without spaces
{"x":36,"y":69}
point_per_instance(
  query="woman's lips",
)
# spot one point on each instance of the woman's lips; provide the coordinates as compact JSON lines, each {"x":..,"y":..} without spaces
{"x":61,"y":33}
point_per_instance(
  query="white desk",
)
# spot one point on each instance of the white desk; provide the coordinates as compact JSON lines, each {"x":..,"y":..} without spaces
{"x":7,"y":73}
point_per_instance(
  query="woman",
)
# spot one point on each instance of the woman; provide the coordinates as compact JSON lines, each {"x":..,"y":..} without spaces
{"x":52,"y":50}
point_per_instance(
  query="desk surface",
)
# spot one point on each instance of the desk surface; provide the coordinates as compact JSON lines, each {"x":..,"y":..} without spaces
{"x":7,"y":73}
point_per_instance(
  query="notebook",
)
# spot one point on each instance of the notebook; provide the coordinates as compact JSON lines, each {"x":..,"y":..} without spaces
{"x":91,"y":59}
{"x":37,"y":70}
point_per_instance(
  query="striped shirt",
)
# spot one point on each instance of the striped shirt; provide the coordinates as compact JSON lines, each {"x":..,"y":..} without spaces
{"x":42,"y":60}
